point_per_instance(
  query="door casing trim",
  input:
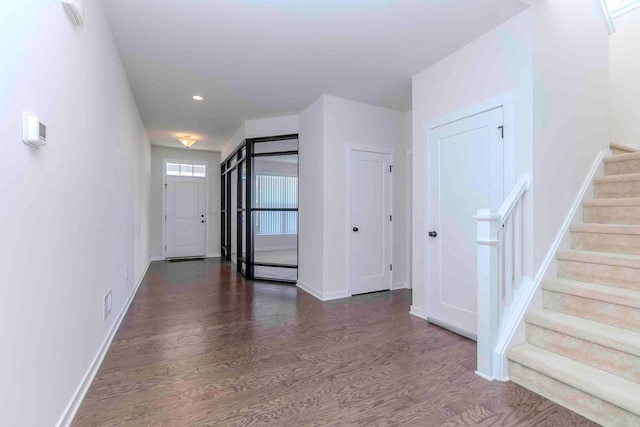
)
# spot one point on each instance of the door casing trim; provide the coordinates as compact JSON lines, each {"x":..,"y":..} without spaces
{"x":164,"y":197}
{"x":506,"y":101}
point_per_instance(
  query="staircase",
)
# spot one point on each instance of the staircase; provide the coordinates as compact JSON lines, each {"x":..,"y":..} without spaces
{"x":583,"y":347}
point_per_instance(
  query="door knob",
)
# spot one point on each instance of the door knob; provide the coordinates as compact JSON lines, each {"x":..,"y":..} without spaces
{"x":202,"y":221}
{"x":355,"y":228}
{"x":433,"y":234}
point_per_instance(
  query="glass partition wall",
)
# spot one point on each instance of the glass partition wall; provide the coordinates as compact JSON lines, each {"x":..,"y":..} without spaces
{"x":259,"y":208}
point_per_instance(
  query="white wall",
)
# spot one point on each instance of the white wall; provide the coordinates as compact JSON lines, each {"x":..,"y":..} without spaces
{"x":311,"y":197}
{"x":624,"y":62}
{"x":402,"y":206}
{"x":497,"y":63}
{"x":571,"y":108}
{"x":348,"y":123}
{"x":231,"y":145}
{"x":553,"y":57}
{"x":158,"y":155}
{"x":272,"y":126}
{"x":74,"y":214}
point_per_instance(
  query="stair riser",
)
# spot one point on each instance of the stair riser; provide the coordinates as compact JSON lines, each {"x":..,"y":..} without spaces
{"x":614,"y":361}
{"x":617,"y":190}
{"x":596,"y":310}
{"x":622,"y":167}
{"x":606,"y":242}
{"x":624,"y":277}
{"x":578,"y":401}
{"x":623,"y":215}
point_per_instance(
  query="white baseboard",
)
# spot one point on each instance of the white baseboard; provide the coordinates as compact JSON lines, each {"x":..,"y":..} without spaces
{"x":515,"y":318}
{"x":157,"y":258}
{"x":418,"y":312}
{"x":328,"y":296}
{"x":74,"y":404}
{"x":214,"y":255}
{"x":309,"y":290}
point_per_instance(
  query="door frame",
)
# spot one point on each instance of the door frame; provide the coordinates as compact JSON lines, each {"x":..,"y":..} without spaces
{"x":164,"y":201}
{"x":380,"y":150}
{"x":506,"y":101}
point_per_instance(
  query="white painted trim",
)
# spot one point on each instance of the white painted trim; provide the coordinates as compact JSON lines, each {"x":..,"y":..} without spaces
{"x":418,"y":312}
{"x":480,"y":374}
{"x":528,"y":290}
{"x":323,"y":296}
{"x":164,"y":195}
{"x":309,"y":290}
{"x":408,"y":225}
{"x":368,"y":149}
{"x":214,"y":255}
{"x":608,"y":17}
{"x":76,"y":400}
{"x":506,"y":102}
{"x":474,"y":110}
{"x":157,"y":258}
{"x":328,"y":296}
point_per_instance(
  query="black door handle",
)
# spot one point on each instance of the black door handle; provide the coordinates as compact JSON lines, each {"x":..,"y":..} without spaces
{"x":202,"y":221}
{"x":355,"y":228}
{"x":433,"y":234}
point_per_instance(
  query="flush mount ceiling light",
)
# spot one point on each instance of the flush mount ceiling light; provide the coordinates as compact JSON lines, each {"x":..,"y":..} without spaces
{"x":198,"y":97}
{"x":187,"y":141}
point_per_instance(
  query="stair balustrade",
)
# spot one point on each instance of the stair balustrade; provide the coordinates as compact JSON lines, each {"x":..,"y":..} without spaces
{"x":500,"y":272}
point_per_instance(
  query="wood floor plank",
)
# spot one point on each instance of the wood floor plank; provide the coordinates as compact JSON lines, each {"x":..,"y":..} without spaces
{"x":202,"y":346}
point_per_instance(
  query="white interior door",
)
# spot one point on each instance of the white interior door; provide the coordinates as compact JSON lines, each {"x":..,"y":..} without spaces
{"x":185,"y":210}
{"x":465,"y":173}
{"x":370,"y":221}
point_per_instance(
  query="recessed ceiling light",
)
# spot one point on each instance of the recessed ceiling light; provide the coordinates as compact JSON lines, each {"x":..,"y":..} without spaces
{"x":198,"y":97}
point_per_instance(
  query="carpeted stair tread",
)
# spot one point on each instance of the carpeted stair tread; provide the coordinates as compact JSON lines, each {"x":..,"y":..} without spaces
{"x":605,"y":258}
{"x":610,"y":388}
{"x":599,"y":333}
{"x":606,"y":229}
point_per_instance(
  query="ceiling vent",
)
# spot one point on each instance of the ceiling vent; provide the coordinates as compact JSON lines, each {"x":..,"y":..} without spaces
{"x":74,"y":10}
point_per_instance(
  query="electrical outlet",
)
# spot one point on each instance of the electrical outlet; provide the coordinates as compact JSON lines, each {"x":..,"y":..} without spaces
{"x":108,"y":302}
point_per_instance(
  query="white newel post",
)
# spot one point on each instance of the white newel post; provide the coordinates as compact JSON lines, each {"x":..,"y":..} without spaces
{"x":488,"y":290}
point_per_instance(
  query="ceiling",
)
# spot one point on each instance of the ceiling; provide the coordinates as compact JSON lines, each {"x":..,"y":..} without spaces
{"x":263,"y":58}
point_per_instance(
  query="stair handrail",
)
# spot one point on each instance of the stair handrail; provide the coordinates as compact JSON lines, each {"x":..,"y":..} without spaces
{"x":500,"y":270}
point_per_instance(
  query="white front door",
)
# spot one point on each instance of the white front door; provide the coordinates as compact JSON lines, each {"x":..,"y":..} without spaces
{"x":370,"y":221}
{"x":185,"y":210}
{"x":465,"y":173}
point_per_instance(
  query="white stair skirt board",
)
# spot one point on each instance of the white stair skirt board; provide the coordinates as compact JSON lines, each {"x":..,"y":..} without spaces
{"x":74,"y":404}
{"x":529,"y":289}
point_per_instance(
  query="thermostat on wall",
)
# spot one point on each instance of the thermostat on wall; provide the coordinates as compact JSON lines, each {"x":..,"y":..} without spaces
{"x":34,"y":133}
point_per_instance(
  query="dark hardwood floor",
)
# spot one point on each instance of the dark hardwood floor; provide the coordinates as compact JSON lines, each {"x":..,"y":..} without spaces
{"x":202,"y":346}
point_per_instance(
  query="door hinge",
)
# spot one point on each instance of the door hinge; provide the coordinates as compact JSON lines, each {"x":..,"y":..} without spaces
{"x":391,"y":267}
{"x":391,"y":169}
{"x":501,"y":131}
{"x":165,"y":186}
{"x":390,"y":217}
